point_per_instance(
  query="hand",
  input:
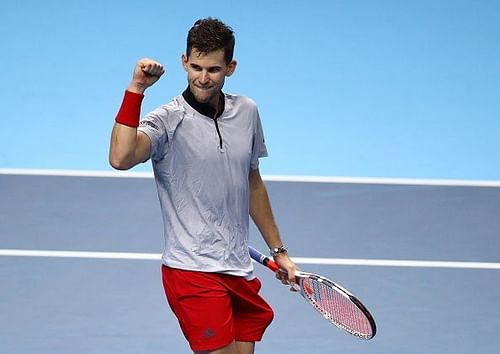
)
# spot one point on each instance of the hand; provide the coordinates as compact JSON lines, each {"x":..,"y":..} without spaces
{"x":287,"y":276}
{"x":146,"y":73}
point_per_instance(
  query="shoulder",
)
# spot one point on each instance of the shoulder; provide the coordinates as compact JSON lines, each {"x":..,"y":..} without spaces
{"x":168,"y":114}
{"x":175,"y":106}
{"x":241,"y":102}
{"x":164,"y":118}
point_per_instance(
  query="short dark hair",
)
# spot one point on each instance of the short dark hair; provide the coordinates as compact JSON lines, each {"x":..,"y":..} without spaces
{"x":210,"y":34}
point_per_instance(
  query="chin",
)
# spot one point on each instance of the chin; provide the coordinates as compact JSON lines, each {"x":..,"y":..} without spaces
{"x":202,"y":100}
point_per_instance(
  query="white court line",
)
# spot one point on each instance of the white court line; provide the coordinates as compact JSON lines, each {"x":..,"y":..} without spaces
{"x":298,"y":260}
{"x":80,"y":254}
{"x":397,"y":263}
{"x":272,"y":178}
{"x":74,"y":173}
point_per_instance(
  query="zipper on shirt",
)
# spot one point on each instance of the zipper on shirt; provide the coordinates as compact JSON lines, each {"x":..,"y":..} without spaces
{"x":216,"y":116}
{"x":208,"y":111}
{"x":218,"y":133}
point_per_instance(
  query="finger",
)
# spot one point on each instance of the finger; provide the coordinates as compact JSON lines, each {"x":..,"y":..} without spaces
{"x":157,"y":70}
{"x":289,"y":273}
{"x":293,"y":281}
{"x":152,"y":68}
{"x":286,"y":280}
{"x":161,"y":71}
{"x":282,"y":277}
{"x":149,"y":69}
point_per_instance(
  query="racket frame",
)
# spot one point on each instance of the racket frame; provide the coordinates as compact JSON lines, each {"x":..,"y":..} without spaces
{"x":301,"y":277}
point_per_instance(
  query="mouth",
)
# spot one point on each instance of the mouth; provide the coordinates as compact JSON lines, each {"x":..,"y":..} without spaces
{"x":203,"y":88}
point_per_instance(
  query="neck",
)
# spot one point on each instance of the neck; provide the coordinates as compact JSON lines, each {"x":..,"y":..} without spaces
{"x":205,"y":109}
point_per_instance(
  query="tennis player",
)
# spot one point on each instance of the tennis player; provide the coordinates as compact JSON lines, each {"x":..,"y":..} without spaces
{"x":205,"y":147}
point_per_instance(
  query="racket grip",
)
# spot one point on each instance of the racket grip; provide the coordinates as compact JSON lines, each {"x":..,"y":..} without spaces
{"x":262,"y":259}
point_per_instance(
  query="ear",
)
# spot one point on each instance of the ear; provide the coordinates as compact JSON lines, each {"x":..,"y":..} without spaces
{"x":231,"y":67}
{"x":184,"y":60}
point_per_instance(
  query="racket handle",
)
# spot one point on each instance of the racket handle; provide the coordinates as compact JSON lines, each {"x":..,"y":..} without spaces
{"x":262,"y":259}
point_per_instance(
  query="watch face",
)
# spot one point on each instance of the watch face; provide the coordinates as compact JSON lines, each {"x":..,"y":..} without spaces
{"x":278,"y":250}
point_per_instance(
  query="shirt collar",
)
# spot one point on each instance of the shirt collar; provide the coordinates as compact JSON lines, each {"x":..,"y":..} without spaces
{"x":203,"y":108}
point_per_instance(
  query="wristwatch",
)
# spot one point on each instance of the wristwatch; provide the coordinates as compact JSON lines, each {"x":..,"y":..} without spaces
{"x":277,"y":250}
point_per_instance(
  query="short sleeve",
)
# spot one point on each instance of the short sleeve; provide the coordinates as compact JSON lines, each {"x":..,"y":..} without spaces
{"x":153,"y":126}
{"x":259,"y":148}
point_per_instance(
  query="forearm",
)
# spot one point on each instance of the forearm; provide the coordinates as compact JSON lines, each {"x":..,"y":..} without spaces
{"x":261,"y":212}
{"x":262,"y":215}
{"x":124,"y":139}
{"x":123,"y":147}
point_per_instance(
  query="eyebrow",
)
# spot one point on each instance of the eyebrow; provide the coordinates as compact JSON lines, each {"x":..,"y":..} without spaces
{"x":196,"y":66}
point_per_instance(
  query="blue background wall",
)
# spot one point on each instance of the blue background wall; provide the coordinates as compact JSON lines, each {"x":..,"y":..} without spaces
{"x":345,"y":88}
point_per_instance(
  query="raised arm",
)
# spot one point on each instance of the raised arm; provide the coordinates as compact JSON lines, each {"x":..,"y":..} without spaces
{"x":128,"y":147}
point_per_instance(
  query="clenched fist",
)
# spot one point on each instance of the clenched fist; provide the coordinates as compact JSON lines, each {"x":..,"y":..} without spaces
{"x":146,"y":73}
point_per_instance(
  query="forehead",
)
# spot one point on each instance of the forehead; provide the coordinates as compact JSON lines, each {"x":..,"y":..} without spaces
{"x":214,"y":58}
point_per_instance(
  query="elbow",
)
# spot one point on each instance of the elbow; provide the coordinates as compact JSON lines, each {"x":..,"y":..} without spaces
{"x":119,"y":164}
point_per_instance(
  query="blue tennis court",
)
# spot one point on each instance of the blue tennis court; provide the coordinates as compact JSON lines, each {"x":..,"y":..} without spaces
{"x":80,"y":269}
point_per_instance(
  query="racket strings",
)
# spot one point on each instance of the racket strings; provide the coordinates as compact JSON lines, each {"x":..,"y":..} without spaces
{"x":337,"y":307}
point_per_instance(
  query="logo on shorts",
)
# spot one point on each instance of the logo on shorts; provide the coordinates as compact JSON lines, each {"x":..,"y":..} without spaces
{"x":209,"y":333}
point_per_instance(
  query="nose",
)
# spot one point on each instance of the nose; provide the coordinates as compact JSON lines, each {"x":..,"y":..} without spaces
{"x":204,"y":78}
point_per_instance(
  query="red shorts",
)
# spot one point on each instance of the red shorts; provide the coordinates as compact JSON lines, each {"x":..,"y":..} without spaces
{"x":216,"y":309}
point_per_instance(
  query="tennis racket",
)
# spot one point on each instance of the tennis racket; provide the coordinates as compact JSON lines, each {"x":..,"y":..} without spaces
{"x":332,"y":301}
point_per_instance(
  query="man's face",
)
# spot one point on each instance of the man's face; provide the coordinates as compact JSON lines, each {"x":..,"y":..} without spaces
{"x":206,"y":74}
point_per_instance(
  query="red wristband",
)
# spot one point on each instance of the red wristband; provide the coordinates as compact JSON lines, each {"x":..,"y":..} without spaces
{"x":130,"y":110}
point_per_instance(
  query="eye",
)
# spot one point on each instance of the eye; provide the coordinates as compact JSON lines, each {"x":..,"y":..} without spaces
{"x":214,"y":69}
{"x":195,"y":67}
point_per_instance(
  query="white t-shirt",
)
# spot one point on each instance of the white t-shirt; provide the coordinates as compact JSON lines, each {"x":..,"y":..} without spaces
{"x":203,"y":188}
